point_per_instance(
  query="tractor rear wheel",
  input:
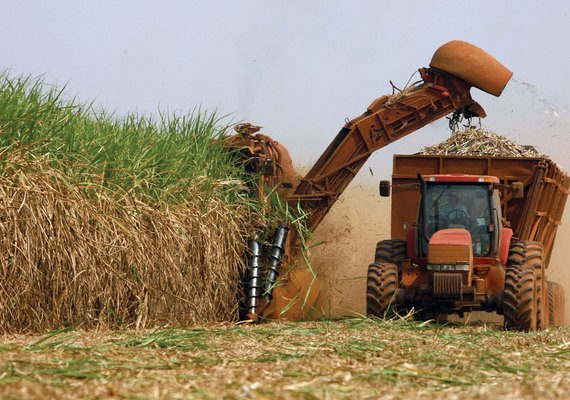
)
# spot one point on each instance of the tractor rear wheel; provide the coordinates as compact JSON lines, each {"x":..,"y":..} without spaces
{"x":390,"y":251}
{"x":381,"y":289}
{"x":524,"y":301}
{"x":555,"y":304}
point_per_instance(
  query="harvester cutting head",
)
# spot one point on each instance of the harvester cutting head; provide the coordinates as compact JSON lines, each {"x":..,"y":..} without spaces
{"x":473,"y":65}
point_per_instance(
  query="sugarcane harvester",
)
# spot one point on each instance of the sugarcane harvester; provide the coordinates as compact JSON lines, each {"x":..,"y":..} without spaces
{"x":286,"y":289}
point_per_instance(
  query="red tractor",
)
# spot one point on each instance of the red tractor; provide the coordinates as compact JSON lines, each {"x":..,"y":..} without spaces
{"x":471,"y":233}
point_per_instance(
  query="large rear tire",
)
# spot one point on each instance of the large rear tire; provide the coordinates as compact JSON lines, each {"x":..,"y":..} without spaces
{"x":391,"y":251}
{"x":555,"y":304}
{"x":524,"y":301}
{"x":381,"y":289}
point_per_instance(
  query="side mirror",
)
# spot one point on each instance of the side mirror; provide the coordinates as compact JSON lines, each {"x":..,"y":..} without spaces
{"x":518,"y":190}
{"x":385,"y":188}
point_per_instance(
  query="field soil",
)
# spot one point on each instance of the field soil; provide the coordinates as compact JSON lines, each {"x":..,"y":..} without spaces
{"x":348,"y":237}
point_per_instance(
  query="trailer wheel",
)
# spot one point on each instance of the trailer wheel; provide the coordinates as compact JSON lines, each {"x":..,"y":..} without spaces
{"x":381,"y":289}
{"x":390,"y":251}
{"x":523,"y":297}
{"x":555,"y":304}
{"x":542,"y":309}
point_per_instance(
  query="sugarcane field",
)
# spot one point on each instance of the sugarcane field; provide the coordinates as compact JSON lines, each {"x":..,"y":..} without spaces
{"x":263,"y":200}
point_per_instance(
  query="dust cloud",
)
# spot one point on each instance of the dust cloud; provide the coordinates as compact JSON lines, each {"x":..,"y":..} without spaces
{"x":348,"y":237}
{"x":349,"y":234}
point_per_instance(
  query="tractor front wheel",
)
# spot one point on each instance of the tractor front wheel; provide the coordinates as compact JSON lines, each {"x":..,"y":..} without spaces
{"x":382,"y":289}
{"x":390,"y":251}
{"x":519,"y":298}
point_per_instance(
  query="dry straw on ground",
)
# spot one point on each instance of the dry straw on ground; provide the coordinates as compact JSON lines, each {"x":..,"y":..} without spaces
{"x":72,"y":255}
{"x":346,"y":359}
{"x":480,"y":142}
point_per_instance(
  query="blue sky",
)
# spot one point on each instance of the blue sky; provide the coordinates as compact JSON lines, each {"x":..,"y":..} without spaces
{"x":298,"y":68}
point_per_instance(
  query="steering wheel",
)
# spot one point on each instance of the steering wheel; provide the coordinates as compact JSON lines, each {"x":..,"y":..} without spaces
{"x":456,"y":216}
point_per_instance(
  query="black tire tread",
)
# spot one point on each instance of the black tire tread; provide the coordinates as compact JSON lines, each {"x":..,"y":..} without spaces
{"x":523,"y":305}
{"x":555,"y":304}
{"x":381,"y":287}
{"x":390,"y":252}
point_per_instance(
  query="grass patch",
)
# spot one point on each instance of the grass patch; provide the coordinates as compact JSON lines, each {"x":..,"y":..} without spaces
{"x":136,"y":155}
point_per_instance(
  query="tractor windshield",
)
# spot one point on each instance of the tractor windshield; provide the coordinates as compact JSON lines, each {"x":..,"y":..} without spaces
{"x":451,"y":205}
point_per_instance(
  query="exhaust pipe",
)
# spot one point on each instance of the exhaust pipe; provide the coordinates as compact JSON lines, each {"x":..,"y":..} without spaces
{"x":277,"y":251}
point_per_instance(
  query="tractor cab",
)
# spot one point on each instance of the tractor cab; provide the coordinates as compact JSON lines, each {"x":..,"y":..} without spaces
{"x":460,"y":202}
